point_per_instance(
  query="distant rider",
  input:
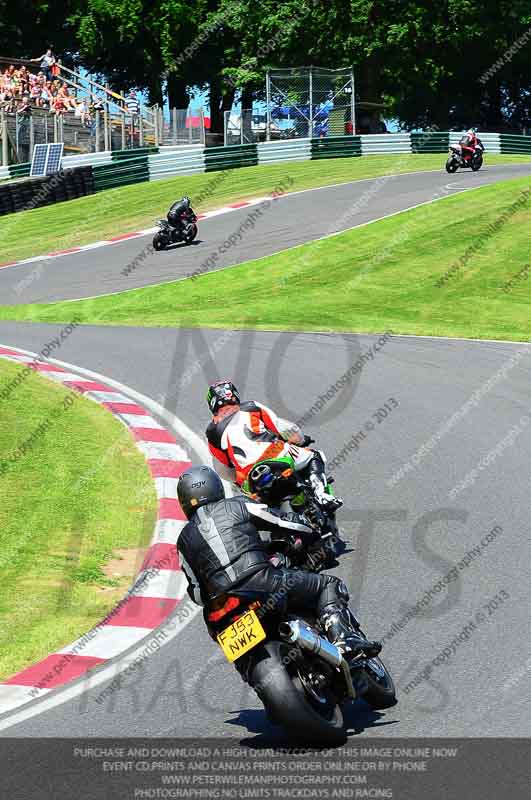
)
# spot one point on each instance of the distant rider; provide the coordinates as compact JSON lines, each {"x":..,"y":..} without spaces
{"x":182,"y":206}
{"x":220,"y":549}
{"x":469,"y":141}
{"x":242,"y":433}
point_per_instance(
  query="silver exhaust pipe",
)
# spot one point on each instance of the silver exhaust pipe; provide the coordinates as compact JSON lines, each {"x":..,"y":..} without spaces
{"x":296,"y":632}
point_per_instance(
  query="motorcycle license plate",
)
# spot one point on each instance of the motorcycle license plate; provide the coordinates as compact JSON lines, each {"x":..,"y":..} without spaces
{"x":240,"y":637}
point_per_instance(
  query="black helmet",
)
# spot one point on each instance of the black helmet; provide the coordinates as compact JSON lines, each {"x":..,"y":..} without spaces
{"x":198,"y":486}
{"x":222,"y":393}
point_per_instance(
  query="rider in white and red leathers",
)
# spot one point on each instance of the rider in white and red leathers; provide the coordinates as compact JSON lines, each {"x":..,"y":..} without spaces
{"x":243,"y":433}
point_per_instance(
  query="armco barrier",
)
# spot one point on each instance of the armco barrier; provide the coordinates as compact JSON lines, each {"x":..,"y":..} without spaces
{"x":37,"y":192}
{"x":382,"y":143}
{"x":187,"y":160}
{"x":512,"y":143}
{"x":234,"y":155}
{"x":336,"y":147}
{"x":284,"y":150}
{"x":430,"y":142}
{"x":121,"y":168}
{"x":122,"y":172}
{"x":138,"y":152}
{"x":19,"y":170}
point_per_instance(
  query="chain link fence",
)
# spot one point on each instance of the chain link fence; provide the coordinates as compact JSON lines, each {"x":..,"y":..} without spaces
{"x":310,"y":102}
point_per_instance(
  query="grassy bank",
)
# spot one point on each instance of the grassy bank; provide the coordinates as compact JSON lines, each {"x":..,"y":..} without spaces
{"x":116,"y":211}
{"x":456,"y":267}
{"x":75,"y":492}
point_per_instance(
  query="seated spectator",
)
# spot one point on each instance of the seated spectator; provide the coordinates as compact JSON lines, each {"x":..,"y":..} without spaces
{"x":68,"y":101}
{"x":9,"y":103}
{"x":36,"y":95}
{"x":81,"y":111}
{"x":47,"y":60}
{"x":45,"y":97}
{"x":16,"y":84}
{"x":97,"y":104}
{"x":24,"y":107}
{"x":58,"y":106}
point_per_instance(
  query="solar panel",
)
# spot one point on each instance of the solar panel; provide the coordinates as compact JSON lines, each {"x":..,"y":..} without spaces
{"x":46,"y":159}
{"x":55,"y":154}
{"x":38,"y":164}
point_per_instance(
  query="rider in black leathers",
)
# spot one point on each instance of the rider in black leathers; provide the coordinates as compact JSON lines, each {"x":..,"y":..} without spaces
{"x":176,"y":209}
{"x":220,"y":549}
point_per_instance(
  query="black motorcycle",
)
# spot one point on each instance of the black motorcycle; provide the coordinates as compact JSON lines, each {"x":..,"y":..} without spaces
{"x":456,"y":159}
{"x":301,"y":678}
{"x":183,"y":228}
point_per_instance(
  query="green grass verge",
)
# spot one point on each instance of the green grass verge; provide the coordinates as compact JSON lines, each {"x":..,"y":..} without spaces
{"x":379,"y":277}
{"x":116,"y":211}
{"x":81,"y":491}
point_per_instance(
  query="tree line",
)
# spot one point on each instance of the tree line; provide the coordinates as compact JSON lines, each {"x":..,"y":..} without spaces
{"x":449,"y":64}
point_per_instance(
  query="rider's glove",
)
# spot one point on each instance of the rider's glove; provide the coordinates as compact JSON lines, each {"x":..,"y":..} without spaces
{"x":307,"y":441}
{"x":280,"y":560}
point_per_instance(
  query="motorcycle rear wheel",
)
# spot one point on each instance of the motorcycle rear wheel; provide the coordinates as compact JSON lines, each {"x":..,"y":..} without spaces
{"x":309,"y":716}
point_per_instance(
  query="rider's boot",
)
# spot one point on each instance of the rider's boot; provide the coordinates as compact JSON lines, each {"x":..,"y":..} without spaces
{"x":340,"y":631}
{"x":319,"y":483}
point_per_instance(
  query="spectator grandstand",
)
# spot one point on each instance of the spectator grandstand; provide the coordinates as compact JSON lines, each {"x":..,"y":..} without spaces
{"x":42,"y":100}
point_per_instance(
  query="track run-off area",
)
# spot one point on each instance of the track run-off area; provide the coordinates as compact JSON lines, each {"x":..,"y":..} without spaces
{"x":436,"y":491}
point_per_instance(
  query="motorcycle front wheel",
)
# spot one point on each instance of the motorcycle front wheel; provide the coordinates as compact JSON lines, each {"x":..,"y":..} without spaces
{"x":307,"y":712}
{"x":451,"y":165}
{"x":190,"y":234}
{"x":381,"y":692}
{"x":476,"y":163}
{"x":159,"y":242}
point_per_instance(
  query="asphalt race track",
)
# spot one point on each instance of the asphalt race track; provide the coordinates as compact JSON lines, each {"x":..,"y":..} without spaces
{"x":290,"y":220}
{"x":404,"y":535}
{"x":404,"y":538}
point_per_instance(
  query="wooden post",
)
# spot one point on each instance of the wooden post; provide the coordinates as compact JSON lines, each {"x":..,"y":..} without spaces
{"x":123,"y":130}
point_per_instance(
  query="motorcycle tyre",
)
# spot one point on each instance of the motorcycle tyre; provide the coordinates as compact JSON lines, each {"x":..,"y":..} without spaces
{"x":287,"y":703}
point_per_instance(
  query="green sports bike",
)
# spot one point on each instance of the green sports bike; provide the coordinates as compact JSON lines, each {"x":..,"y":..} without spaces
{"x":283,"y":483}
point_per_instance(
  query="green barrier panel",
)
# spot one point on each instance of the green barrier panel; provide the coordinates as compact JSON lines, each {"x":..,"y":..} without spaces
{"x":19,"y":170}
{"x":336,"y":147}
{"x":121,"y":172}
{"x":514,"y":143}
{"x":234,"y":155}
{"x":430,"y":142}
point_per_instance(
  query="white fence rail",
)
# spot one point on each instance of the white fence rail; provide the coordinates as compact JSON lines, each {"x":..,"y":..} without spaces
{"x":288,"y":150}
{"x":381,"y":143}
